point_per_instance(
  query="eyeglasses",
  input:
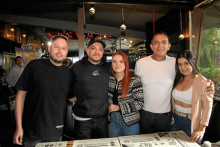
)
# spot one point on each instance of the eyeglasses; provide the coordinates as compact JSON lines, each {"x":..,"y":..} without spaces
{"x":55,"y":37}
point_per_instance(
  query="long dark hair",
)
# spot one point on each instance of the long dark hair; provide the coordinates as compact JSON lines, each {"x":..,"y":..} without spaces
{"x":187,"y":54}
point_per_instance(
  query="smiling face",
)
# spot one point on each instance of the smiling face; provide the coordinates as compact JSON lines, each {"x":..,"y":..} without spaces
{"x":184,"y":66}
{"x":160,"y":45}
{"x":95,"y":53}
{"x":118,"y":64}
{"x":58,"y":51}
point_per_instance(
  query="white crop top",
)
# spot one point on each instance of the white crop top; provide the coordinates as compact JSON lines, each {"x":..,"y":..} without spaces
{"x":183,"y":96}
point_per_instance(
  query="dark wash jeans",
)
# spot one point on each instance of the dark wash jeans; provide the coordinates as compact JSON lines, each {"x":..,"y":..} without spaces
{"x":154,"y":122}
{"x":30,"y":142}
{"x":117,"y":126}
{"x":181,"y":123}
{"x":93,"y":128}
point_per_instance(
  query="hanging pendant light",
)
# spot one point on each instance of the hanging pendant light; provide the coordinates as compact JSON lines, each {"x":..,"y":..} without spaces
{"x":123,"y":26}
{"x":92,"y":10}
{"x":181,"y":36}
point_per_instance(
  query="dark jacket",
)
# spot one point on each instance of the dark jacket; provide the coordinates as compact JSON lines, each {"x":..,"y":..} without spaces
{"x":91,"y":88}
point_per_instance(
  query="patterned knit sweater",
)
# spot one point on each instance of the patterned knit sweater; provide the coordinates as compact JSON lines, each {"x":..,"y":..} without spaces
{"x":129,"y":108}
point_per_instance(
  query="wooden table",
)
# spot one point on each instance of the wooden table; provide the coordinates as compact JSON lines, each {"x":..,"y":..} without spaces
{"x":70,"y":143}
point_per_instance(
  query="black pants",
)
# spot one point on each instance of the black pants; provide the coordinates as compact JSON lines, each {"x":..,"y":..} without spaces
{"x":154,"y":122}
{"x":93,"y":128}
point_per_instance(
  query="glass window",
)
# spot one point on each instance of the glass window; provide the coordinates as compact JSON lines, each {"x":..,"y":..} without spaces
{"x":209,"y":65}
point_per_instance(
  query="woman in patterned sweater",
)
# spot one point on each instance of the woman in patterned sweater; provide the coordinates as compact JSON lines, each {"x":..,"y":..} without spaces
{"x":125,"y":96}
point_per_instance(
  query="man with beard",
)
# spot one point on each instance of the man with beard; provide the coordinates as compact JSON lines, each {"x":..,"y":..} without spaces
{"x":91,"y":76}
{"x":43,"y":90}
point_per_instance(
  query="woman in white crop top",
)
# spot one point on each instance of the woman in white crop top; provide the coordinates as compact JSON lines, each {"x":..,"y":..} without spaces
{"x":192,"y":105}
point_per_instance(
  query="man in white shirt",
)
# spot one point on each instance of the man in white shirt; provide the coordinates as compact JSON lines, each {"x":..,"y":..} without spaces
{"x":157,"y":74}
{"x":15,"y":72}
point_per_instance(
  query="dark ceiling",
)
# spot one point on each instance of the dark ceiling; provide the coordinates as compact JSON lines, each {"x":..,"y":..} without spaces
{"x":108,"y":13}
{"x":44,"y":15}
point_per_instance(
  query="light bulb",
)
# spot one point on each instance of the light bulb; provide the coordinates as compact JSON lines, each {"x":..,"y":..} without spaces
{"x":92,"y":11}
{"x":123,"y":27}
{"x":12,"y":29}
{"x":181,"y":36}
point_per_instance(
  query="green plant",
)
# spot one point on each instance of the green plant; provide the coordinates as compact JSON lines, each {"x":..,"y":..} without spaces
{"x":211,"y":73}
{"x":209,"y":65}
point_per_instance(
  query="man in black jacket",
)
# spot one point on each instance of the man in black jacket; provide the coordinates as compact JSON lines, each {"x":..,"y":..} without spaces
{"x":91,"y":87}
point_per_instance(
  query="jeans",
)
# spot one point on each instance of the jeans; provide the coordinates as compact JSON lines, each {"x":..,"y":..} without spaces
{"x":93,"y":128}
{"x":181,"y":123}
{"x":30,"y":142}
{"x":154,"y":122}
{"x":117,"y":126}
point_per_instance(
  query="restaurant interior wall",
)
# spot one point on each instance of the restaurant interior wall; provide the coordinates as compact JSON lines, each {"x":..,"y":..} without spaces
{"x":170,"y":24}
{"x":12,"y":40}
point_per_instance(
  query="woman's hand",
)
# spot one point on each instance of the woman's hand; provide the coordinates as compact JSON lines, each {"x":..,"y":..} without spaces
{"x":113,"y":108}
{"x":198,"y":134}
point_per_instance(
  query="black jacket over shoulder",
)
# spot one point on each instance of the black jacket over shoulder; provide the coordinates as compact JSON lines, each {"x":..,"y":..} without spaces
{"x":91,"y":88}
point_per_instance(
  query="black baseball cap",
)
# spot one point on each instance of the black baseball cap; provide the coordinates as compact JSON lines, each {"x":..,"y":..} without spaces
{"x":93,"y":40}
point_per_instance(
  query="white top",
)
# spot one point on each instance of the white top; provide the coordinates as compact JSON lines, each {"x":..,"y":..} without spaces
{"x":13,"y":75}
{"x":157,"y":80}
{"x":183,"y":96}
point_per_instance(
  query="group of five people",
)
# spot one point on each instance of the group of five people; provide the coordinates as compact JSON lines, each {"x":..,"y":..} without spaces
{"x":109,"y":99}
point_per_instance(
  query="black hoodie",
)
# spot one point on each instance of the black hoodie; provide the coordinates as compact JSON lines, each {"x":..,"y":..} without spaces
{"x":91,"y":88}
